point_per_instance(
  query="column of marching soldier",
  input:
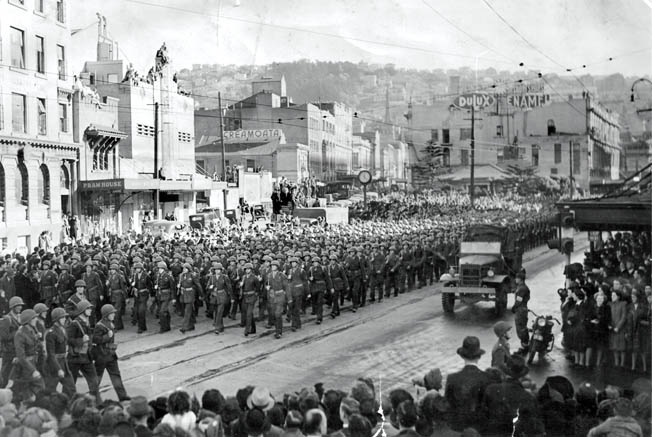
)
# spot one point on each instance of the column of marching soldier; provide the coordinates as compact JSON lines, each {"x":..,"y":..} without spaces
{"x":72,"y":331}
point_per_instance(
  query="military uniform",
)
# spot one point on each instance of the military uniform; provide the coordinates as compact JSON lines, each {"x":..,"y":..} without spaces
{"x":105,"y":357}
{"x":189,"y":290}
{"x":218,"y":290}
{"x":65,"y":284}
{"x":48,"y":289}
{"x":376,"y":275}
{"x":340,"y":285}
{"x":354,"y":273}
{"x":9,"y":324}
{"x":79,"y":358}
{"x":249,"y":287}
{"x":142,"y":286}
{"x":297,"y":279}
{"x":56,"y":346}
{"x":277,"y":284}
{"x":320,"y":283}
{"x":117,"y":290}
{"x":407,"y":271}
{"x":393,"y":271}
{"x":95,"y":292}
{"x":520,"y":310}
{"x":164,"y":286}
{"x":29,"y":351}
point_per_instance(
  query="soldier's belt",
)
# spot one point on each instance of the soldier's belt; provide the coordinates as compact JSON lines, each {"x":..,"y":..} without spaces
{"x":278,"y":291}
{"x":164,"y":290}
{"x":249,"y":293}
{"x":187,"y":288}
{"x":143,"y":290}
{"x":297,"y":285}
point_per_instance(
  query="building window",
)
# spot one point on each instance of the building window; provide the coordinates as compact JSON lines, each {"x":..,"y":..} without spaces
{"x":22,"y":184}
{"x":251,"y":164}
{"x":465,"y":133}
{"x":557,"y":153}
{"x":434,"y":135}
{"x":499,"y":130}
{"x":61,"y":62}
{"x":576,"y":158}
{"x":18,"y":115}
{"x":535,"y":155}
{"x":185,"y":137}
{"x":38,"y":5}
{"x":61,"y":11}
{"x":17,"y":48}
{"x":41,"y":116}
{"x":63,"y":117}
{"x":445,"y":136}
{"x":40,"y":55}
{"x":554,"y":170}
{"x":44,"y":185}
{"x":464,"y":157}
{"x":145,"y":130}
{"x":552,"y":129}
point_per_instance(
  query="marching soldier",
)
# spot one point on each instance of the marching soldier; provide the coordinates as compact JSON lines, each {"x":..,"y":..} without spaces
{"x":80,"y":294}
{"x":393,"y":267}
{"x":297,"y":279}
{"x":94,"y":289}
{"x":320,"y":283}
{"x":164,"y":286}
{"x":234,"y":276}
{"x":48,"y":288}
{"x":354,"y":273}
{"x":189,"y":289}
{"x":263,"y":301}
{"x":277,"y":283}
{"x":117,"y":287}
{"x":249,"y":287}
{"x":376,"y":274}
{"x":29,"y":351}
{"x":364,"y":275}
{"x":79,"y":339}
{"x":76,"y":267}
{"x":65,"y":283}
{"x":9,"y":324}
{"x":142,"y":288}
{"x":408,"y":271}
{"x":428,"y":262}
{"x":340,"y":284}
{"x":417,"y":265}
{"x":104,"y":348}
{"x":218,"y":289}
{"x":56,"y":369}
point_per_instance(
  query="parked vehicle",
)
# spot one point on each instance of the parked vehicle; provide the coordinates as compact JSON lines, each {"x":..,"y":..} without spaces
{"x":542,"y":340}
{"x":165,"y":228}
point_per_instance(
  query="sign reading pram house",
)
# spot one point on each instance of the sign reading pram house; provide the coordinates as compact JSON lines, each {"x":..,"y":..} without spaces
{"x":253,"y":135}
{"x":102,"y":185}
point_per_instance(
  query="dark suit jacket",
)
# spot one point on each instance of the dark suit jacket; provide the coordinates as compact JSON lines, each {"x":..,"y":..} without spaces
{"x":502,"y":401}
{"x":465,"y":391}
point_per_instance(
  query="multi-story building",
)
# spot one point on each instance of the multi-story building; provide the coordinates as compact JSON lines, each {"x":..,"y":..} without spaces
{"x":37,"y":152}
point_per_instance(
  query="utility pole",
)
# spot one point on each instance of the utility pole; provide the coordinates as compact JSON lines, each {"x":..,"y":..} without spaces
{"x":156,"y":139}
{"x":225,"y":191}
{"x":472,"y":155}
{"x":570,"y":167}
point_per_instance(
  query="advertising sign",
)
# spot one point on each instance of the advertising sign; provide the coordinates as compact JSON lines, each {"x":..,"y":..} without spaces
{"x":477,"y":100}
{"x":102,"y":185}
{"x":254,"y":135}
{"x":528,"y":100}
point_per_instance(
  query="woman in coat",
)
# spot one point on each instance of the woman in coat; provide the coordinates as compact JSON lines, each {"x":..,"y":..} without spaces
{"x":617,"y":343}
{"x":598,"y":331}
{"x":638,"y":314}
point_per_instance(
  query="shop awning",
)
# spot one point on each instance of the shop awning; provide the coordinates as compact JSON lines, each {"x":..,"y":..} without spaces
{"x":104,"y":131}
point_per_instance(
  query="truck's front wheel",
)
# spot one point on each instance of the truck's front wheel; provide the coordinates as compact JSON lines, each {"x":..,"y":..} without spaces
{"x":448,"y":301}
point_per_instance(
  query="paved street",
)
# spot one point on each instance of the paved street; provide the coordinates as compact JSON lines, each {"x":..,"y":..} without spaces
{"x":401,"y":338}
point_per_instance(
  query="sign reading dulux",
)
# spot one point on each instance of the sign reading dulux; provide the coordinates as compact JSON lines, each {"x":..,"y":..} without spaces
{"x":252,"y":135}
{"x":477,"y":100}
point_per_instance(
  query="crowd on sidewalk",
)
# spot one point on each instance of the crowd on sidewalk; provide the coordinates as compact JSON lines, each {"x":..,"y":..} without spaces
{"x":497,"y":401}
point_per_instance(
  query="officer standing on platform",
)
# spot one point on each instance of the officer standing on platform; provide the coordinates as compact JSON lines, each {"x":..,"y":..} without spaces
{"x":218,"y":288}
{"x":189,"y":290}
{"x":277,"y":284}
{"x":56,"y":369}
{"x":520,"y":310}
{"x":104,"y":348}
{"x":117,"y":287}
{"x":340,"y":284}
{"x":9,"y":324}
{"x":249,"y":286}
{"x":164,"y":286}
{"x":320,"y":283}
{"x":79,"y":339}
{"x":142,"y":288}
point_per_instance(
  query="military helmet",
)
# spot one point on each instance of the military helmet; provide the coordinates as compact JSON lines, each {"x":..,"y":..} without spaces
{"x":15,"y":301}
{"x":40,"y":308}
{"x":57,"y":314}
{"x":248,"y":266}
{"x":82,"y":306}
{"x":275,"y":263}
{"x":138,"y":266}
{"x":187,"y":266}
{"x":162,"y":265}
{"x":26,"y":316}
{"x":107,"y":309}
{"x":80,"y":283}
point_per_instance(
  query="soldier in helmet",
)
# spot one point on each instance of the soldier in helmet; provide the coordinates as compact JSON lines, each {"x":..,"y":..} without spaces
{"x":29,"y":351}
{"x":164,"y":287}
{"x":320,"y":282}
{"x":56,"y":369}
{"x":277,"y":284}
{"x":9,"y":324}
{"x":218,"y":290}
{"x":354,"y":272}
{"x":117,"y":290}
{"x":249,"y":288}
{"x":376,"y":274}
{"x":189,"y":289}
{"x":80,"y":294}
{"x":104,"y":348}
{"x":142,"y":286}
{"x":340,"y":284}
{"x":94,"y":289}
{"x":297,"y":279}
{"x":48,"y":286}
{"x":79,"y":339}
{"x":65,"y":283}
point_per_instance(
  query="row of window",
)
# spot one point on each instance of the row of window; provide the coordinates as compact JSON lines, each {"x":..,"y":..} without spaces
{"x":19,"y":116}
{"x":145,"y":130}
{"x":185,"y":137}
{"x":22,"y":187}
{"x":100,"y":159}
{"x":39,"y":6}
{"x":19,"y":53}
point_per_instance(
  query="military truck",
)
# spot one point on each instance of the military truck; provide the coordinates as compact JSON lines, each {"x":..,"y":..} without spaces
{"x":489,"y":259}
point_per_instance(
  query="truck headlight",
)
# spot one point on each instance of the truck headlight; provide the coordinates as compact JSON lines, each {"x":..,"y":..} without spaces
{"x":541,"y":322}
{"x":490,"y":273}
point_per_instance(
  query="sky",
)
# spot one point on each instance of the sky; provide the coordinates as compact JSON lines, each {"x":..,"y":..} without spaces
{"x":550,"y":36}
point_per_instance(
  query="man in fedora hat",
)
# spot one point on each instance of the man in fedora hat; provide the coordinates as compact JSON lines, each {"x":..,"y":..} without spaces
{"x":139,"y":411}
{"x":260,"y":398}
{"x":503,"y":400}
{"x":464,"y":389}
